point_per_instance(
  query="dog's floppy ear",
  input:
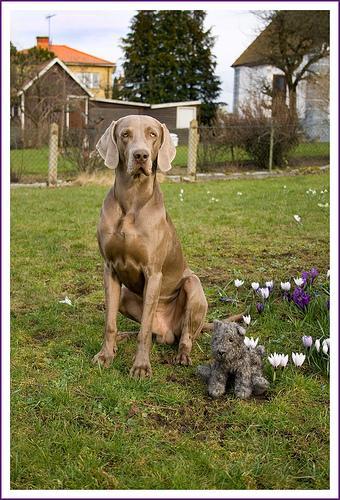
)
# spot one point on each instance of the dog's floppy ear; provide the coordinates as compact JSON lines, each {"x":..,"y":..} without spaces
{"x":107,"y":147}
{"x":167,"y":151}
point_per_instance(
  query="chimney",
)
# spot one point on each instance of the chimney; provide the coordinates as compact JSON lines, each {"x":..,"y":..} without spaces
{"x":43,"y":42}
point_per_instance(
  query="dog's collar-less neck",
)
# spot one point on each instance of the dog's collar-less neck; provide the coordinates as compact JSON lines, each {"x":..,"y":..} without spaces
{"x":137,"y":191}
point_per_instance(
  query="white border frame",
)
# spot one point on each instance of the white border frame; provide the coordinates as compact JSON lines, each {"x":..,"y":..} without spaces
{"x":9,"y":8}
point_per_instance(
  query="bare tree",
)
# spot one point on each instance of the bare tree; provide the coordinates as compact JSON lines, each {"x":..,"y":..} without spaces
{"x":24,"y":66}
{"x":47,"y":98}
{"x":294,"y":42}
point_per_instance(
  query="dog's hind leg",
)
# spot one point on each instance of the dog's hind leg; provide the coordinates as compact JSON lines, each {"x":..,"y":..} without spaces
{"x":195,"y":310}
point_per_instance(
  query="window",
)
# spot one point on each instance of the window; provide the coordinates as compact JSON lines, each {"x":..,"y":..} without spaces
{"x":90,"y":80}
{"x":184,"y":117}
{"x":279,"y":85}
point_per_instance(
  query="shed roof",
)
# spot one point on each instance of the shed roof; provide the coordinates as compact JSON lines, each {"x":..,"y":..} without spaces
{"x":43,"y":68}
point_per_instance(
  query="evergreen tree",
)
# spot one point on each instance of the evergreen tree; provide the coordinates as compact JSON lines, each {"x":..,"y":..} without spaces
{"x":168,"y":58}
{"x":117,"y":87}
{"x":140,"y":49}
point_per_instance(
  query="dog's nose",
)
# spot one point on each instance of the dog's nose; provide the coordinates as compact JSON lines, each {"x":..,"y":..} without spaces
{"x":141,"y":155}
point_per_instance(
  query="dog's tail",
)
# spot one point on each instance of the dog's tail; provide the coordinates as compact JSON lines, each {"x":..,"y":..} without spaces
{"x":122,"y":336}
{"x":208,"y":327}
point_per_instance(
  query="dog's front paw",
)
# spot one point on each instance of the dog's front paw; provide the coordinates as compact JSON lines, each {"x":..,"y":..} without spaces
{"x":141,"y":370}
{"x":183,"y":359}
{"x":104,"y":358}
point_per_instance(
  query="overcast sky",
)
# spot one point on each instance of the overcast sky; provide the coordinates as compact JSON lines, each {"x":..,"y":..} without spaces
{"x":99,"y":33}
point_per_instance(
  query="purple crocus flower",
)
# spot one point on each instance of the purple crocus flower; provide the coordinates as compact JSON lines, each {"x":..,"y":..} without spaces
{"x":301,"y":298}
{"x":305,"y":276}
{"x":313,"y":274}
{"x":307,"y":341}
{"x":259,"y":307}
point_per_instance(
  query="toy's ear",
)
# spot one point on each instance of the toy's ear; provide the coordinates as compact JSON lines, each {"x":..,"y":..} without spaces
{"x":167,"y":151}
{"x":261,"y":350}
{"x":107,"y":147}
{"x":240,"y":330}
{"x":217,"y":323}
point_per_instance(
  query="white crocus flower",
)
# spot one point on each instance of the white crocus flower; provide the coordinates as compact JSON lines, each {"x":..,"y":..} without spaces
{"x":284,"y":360}
{"x":298,"y":281}
{"x":274,"y":360}
{"x":264,"y":292}
{"x":255,"y":286}
{"x":66,"y":301}
{"x":285,"y":286}
{"x":298,"y":358}
{"x":317,"y":345}
{"x":270,"y":284}
{"x":238,"y":283}
{"x":325,"y":347}
{"x":250,"y":342}
{"x":247,"y":319}
{"x":297,"y":218}
{"x":328,"y":273}
{"x":328,"y":342}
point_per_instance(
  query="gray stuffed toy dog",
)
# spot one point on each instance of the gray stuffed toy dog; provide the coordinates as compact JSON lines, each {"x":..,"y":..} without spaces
{"x":231,"y":356}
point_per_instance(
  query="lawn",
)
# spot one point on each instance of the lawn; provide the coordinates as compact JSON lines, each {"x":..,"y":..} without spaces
{"x":77,"y":426}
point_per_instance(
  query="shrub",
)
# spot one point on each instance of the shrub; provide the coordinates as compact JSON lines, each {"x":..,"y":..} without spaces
{"x":255,"y":134}
{"x":77,"y":148}
{"x":248,"y":135}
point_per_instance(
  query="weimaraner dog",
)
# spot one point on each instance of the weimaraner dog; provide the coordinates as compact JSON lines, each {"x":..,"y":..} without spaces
{"x":145,"y":275}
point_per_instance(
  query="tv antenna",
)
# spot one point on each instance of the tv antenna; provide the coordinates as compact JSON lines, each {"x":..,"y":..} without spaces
{"x":49,"y":26}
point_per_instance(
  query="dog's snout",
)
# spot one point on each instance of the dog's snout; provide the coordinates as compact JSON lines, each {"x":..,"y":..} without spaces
{"x":141,"y":155}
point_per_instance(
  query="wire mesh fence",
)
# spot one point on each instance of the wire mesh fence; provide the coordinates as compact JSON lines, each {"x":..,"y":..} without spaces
{"x":262,"y":146}
{"x":181,"y":137}
{"x":30,"y":153}
{"x":219,"y":147}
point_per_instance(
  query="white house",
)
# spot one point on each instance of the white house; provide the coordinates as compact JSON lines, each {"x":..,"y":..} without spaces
{"x":251,"y":74}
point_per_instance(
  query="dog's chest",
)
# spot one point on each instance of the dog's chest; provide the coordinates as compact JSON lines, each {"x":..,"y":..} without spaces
{"x":126,"y":242}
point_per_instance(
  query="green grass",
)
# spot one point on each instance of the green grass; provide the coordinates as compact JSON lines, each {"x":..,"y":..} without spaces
{"x":33,"y":163}
{"x":75,"y":426}
{"x":310,"y":150}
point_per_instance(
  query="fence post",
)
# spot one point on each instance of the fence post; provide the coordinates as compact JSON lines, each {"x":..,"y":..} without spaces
{"x":53,"y":155}
{"x":192,"y":148}
{"x":271,"y":146}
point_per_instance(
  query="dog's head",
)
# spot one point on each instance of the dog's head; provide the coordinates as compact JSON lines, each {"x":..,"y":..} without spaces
{"x":227,"y":341}
{"x":137,"y":142}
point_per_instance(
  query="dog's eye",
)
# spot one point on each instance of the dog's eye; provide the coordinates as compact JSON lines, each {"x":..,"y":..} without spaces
{"x":125,"y":135}
{"x":153,"y":134}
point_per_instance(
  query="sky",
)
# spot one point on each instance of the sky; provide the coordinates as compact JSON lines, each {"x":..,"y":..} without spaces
{"x":99,"y":33}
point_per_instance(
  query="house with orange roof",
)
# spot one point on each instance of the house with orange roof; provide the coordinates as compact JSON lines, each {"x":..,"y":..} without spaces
{"x":93,"y":72}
